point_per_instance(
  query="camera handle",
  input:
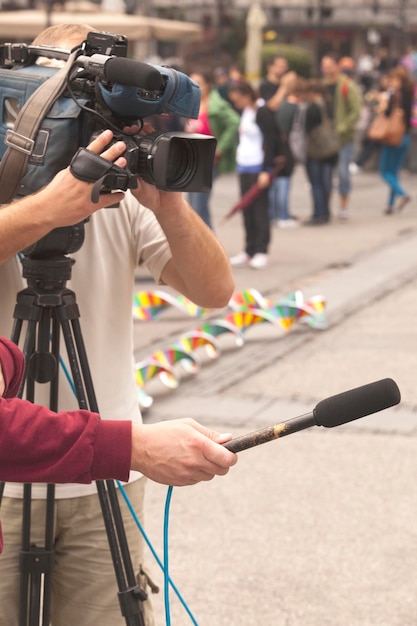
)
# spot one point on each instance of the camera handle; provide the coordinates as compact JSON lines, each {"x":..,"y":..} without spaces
{"x":92,"y":168}
{"x":48,"y":307}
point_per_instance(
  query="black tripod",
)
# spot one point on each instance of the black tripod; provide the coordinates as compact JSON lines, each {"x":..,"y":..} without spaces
{"x":49,"y":307}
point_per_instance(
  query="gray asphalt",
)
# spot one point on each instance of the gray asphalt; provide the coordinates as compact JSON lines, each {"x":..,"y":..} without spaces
{"x":317,"y":529}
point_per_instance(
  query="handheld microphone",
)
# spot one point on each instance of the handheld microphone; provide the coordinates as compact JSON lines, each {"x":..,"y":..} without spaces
{"x":339,"y":409}
{"x":121,"y":70}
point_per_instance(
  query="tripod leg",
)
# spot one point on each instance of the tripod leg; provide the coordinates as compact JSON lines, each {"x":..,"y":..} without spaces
{"x":130,"y":594}
{"x":36,"y":563}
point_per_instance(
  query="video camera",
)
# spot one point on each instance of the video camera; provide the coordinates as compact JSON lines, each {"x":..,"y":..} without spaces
{"x":103,"y":89}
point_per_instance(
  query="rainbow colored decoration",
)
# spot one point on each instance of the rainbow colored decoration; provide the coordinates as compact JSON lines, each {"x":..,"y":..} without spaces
{"x":248,"y":308}
{"x":291,"y":308}
{"x":175,"y":354}
{"x":160,"y":364}
{"x":148,"y":369}
{"x":219,"y":327}
{"x":148,"y":305}
{"x":199,"y":338}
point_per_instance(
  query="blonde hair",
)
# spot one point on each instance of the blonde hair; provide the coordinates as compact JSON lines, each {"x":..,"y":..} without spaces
{"x":65,"y":36}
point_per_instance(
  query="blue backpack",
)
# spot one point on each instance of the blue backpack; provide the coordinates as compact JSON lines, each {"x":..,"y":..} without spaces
{"x":40,"y":129}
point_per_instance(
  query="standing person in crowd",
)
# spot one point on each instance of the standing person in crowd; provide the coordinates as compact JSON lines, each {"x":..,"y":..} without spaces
{"x":221,"y":81}
{"x":384,"y":61}
{"x":278,"y":81}
{"x":290,"y":121}
{"x":253,"y":166}
{"x":401,"y":94}
{"x":276,"y":68}
{"x":218,"y":118}
{"x":345,"y":106}
{"x":321,"y":158}
{"x":366,"y":70}
{"x":373,"y":100}
{"x":274,"y":89}
{"x":151,"y":228}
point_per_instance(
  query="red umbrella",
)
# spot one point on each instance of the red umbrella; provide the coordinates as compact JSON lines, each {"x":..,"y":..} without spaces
{"x":254,"y":191}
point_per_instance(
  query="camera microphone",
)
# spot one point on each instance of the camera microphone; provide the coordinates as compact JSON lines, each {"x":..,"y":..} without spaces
{"x":334,"y":411}
{"x":121,"y":70}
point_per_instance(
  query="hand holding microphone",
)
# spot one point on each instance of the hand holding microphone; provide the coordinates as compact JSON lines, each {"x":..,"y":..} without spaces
{"x":334,"y":411}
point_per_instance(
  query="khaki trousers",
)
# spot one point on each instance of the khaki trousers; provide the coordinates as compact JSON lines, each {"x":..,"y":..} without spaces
{"x":84,"y":587}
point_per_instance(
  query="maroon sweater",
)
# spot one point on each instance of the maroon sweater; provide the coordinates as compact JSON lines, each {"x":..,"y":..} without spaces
{"x":38,"y":445}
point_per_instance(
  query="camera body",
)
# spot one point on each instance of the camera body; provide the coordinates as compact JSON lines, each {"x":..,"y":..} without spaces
{"x":104,"y":89}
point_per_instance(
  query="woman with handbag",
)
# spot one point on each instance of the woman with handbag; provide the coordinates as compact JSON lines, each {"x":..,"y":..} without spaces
{"x":322,"y":152}
{"x":395,"y":144}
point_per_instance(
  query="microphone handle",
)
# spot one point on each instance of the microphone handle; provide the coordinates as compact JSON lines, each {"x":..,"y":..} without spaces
{"x":269,"y":433}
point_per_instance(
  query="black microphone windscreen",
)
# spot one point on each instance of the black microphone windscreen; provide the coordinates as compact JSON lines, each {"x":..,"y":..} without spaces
{"x":130,"y":72}
{"x":351,"y":405}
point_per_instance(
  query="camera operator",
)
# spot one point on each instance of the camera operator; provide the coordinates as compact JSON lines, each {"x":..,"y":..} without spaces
{"x":77,"y":446}
{"x":151,"y":228}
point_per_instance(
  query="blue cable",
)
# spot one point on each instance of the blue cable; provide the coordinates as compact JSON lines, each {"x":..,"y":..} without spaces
{"x":166,"y":567}
{"x":167,"y":578}
{"x":67,"y":375}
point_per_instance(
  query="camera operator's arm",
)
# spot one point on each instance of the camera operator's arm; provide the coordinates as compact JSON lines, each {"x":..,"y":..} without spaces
{"x":63,"y":202}
{"x":199,"y":267}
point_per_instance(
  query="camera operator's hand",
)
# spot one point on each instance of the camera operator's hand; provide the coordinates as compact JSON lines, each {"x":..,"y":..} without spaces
{"x":146,"y":193}
{"x":179,"y":452}
{"x":75,"y":202}
{"x":63,"y":202}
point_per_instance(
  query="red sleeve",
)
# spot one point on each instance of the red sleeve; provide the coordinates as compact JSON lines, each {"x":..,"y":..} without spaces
{"x":38,"y":445}
{"x":12,"y":364}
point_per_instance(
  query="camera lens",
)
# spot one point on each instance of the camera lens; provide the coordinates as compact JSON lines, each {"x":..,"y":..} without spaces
{"x":181,"y":162}
{"x":166,"y":159}
{"x":172,"y":161}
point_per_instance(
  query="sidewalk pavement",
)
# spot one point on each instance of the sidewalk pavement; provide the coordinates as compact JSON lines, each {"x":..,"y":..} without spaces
{"x":317,"y":529}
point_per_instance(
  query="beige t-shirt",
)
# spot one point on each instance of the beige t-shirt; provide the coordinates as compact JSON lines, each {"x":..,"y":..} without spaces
{"x":116,"y":242}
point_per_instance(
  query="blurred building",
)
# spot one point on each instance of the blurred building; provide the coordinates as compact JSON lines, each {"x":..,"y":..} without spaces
{"x":346,"y":26}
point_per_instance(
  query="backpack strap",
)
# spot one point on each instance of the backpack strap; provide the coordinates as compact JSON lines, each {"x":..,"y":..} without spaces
{"x":21,"y":139}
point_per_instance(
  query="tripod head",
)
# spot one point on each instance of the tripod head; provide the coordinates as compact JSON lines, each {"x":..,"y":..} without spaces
{"x":58,"y":242}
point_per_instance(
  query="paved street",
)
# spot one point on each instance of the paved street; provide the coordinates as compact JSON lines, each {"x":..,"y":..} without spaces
{"x":317,"y":529}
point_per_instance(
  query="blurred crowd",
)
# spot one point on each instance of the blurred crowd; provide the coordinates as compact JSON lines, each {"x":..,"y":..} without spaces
{"x":327,"y":125}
